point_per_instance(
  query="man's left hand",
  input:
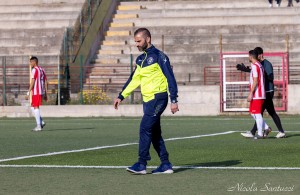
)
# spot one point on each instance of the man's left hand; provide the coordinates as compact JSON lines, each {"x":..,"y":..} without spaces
{"x":117,"y":103}
{"x":174,"y":108}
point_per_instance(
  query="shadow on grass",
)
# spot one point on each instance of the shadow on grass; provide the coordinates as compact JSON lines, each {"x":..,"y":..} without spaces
{"x":287,"y":136}
{"x":227,"y":163}
{"x":291,"y":135}
{"x":71,"y":129}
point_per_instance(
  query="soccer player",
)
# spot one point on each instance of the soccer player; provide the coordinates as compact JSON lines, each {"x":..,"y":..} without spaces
{"x":290,"y":3}
{"x":268,"y":103}
{"x":38,"y":89}
{"x":277,"y":3}
{"x":154,"y":74}
{"x":257,"y":93}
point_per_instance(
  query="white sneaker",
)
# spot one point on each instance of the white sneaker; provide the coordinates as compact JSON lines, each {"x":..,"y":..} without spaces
{"x":248,"y":134}
{"x":280,"y":135}
{"x":277,"y":5}
{"x":37,"y":128}
{"x":270,"y":5}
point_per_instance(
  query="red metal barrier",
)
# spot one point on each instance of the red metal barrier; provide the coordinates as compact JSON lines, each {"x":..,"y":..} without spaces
{"x":232,"y":79}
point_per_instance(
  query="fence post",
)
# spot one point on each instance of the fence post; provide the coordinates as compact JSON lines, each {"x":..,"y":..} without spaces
{"x":81,"y":28}
{"x":287,"y":40}
{"x":131,"y":70}
{"x":89,"y":12}
{"x":4,"y":81}
{"x":81,"y":79}
{"x":66,"y":57}
{"x":58,"y":81}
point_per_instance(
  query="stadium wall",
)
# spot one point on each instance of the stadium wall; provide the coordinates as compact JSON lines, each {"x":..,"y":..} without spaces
{"x":193,"y":101}
{"x":293,"y":99}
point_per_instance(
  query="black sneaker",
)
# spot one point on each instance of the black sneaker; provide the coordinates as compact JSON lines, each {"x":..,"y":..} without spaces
{"x":267,"y":132}
{"x":43,"y":124}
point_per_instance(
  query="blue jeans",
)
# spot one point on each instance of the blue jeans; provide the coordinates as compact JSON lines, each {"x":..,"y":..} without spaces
{"x":150,"y":130}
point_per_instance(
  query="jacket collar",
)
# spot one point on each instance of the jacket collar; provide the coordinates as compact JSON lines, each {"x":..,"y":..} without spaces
{"x":151,"y":48}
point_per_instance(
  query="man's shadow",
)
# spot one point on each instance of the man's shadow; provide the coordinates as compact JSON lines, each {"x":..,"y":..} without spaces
{"x":287,"y":136}
{"x":71,"y":129}
{"x":227,"y":163}
{"x":291,"y":135}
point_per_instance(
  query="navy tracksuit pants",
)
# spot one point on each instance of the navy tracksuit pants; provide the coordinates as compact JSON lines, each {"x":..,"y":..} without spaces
{"x":150,"y":130}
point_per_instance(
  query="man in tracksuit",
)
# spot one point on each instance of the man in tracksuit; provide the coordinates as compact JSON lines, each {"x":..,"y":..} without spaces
{"x":154,"y":74}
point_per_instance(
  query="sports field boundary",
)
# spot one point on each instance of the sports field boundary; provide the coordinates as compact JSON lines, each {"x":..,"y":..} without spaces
{"x":130,"y":144}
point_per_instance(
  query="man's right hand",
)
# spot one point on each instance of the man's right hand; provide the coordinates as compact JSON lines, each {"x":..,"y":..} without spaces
{"x":46,"y":97}
{"x":117,"y":103}
{"x":174,"y":108}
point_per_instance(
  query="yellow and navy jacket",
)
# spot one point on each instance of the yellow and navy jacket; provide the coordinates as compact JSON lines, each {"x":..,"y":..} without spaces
{"x":154,"y":74}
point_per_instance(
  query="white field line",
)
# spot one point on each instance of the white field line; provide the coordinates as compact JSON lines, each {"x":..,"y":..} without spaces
{"x":273,"y":131}
{"x":151,"y":167}
{"x":104,"y":147}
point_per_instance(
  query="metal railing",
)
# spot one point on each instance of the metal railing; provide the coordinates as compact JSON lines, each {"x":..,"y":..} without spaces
{"x":100,"y":83}
{"x":72,"y":41}
{"x":15,"y":79}
{"x":234,"y":85}
{"x":74,"y":36}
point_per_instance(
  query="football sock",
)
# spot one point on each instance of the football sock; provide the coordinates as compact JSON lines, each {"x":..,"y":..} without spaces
{"x":32,"y":110}
{"x":259,"y":122}
{"x":265,"y":125}
{"x":37,"y":116}
{"x":41,"y":119}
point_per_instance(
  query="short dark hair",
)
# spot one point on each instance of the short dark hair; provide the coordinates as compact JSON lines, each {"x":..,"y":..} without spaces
{"x":259,"y":50}
{"x":254,"y":54}
{"x":34,"y":58}
{"x":145,"y":31}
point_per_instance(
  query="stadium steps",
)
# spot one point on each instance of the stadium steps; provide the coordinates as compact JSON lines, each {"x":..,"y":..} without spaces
{"x":37,"y":2}
{"x":205,"y":12}
{"x":191,"y":33}
{"x":28,"y":24}
{"x":41,"y":8}
{"x":199,"y":4}
{"x":34,"y":27}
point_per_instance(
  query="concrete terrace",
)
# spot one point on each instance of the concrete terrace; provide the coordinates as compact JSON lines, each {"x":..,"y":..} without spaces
{"x":189,"y":33}
{"x":33,"y":27}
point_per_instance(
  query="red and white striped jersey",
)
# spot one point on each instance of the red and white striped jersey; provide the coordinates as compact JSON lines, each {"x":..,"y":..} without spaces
{"x":38,"y":74}
{"x":257,"y":71}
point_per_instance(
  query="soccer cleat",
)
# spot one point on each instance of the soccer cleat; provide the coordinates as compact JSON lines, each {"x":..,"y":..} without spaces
{"x":259,"y":137}
{"x":137,"y":168}
{"x":37,"y":128}
{"x":165,"y":168}
{"x":267,"y":132}
{"x":43,"y":124}
{"x":248,"y":134}
{"x":280,"y":135}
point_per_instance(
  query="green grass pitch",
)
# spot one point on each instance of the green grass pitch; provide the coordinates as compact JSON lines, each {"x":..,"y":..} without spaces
{"x":226,"y":164}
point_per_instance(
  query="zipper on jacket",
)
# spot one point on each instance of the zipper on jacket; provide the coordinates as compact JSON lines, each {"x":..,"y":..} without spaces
{"x":144,"y":59}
